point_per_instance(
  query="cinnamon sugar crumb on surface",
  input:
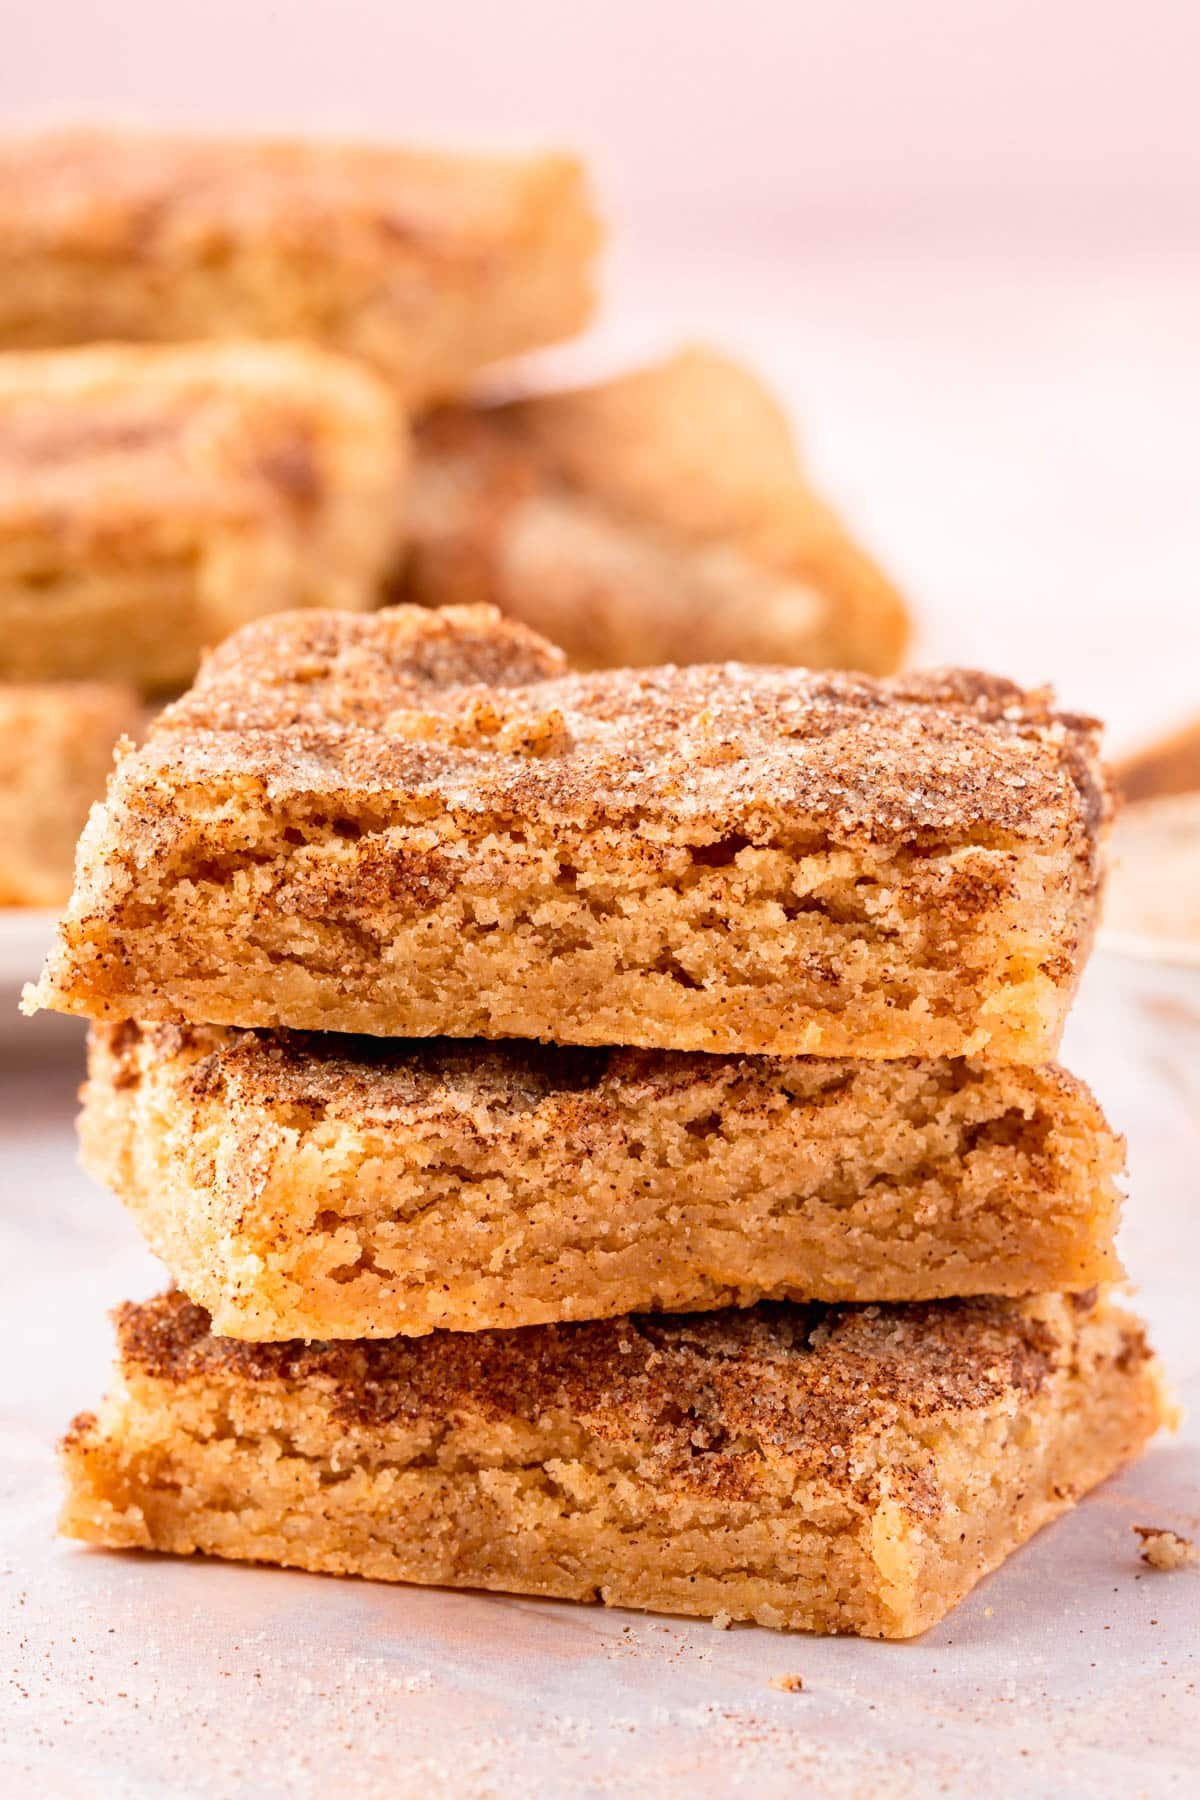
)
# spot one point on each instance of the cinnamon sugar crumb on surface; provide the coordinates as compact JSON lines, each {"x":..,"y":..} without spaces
{"x":787,"y":1684}
{"x":1165,"y":1549}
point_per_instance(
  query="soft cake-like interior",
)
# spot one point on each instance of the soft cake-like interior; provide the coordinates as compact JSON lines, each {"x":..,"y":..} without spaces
{"x":362,"y":920}
{"x":313,"y":1187}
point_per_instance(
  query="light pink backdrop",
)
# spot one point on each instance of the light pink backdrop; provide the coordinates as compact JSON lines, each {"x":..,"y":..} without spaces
{"x":962,"y":237}
{"x":745,"y":118}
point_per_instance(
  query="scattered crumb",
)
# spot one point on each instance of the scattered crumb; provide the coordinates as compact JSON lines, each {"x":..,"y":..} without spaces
{"x":722,"y":1621}
{"x":987,"y":1612}
{"x":787,"y":1684}
{"x":1164,"y":1549}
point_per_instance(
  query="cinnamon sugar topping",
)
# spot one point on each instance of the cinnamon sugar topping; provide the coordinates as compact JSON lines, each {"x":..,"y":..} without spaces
{"x":713,"y":1398}
{"x":450,"y":704}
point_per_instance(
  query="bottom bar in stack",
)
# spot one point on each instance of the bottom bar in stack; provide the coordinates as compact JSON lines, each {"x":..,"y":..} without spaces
{"x":843,"y":1469}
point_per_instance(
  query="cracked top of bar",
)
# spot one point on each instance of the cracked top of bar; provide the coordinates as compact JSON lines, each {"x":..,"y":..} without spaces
{"x":474,"y":713}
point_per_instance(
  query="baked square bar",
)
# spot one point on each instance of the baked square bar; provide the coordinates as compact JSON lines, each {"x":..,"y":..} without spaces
{"x":426,"y":264}
{"x":662,"y":517}
{"x":415,"y":825}
{"x":151,"y":500}
{"x":1169,"y":765}
{"x":844,"y":1469}
{"x":56,"y":751}
{"x":325,"y":1187}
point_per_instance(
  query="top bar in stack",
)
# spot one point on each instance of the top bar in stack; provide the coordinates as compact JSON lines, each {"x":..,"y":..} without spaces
{"x":428,"y":265}
{"x":415,"y":823}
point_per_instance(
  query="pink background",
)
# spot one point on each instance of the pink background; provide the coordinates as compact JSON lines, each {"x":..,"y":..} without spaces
{"x":962,"y":237}
{"x":741,"y":119}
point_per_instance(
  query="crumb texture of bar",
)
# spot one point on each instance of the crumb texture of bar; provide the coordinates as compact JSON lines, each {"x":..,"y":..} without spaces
{"x":661,"y":517}
{"x":426,"y":264}
{"x":415,"y":824}
{"x":839,"y":1470}
{"x":154,"y":499}
{"x":317,"y":1187}
{"x":57,"y":742}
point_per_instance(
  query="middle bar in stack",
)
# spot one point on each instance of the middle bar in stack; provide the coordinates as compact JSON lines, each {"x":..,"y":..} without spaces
{"x":316,"y":1187}
{"x":868,"y":901}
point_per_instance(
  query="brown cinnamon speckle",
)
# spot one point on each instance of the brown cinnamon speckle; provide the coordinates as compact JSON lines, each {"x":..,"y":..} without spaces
{"x":476,"y":711}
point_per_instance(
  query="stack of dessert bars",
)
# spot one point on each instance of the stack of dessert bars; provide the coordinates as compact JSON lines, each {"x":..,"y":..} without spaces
{"x":603,"y":1126}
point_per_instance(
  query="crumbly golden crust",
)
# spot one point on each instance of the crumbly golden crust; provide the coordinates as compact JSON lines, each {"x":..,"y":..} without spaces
{"x":426,"y":264}
{"x":844,"y":1469}
{"x":314,"y":1186}
{"x":414,"y":824}
{"x":153,"y":499}
{"x":56,"y":750}
{"x":606,"y":518}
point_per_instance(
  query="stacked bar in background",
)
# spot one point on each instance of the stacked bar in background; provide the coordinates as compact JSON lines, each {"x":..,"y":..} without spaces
{"x":798,"y":950}
{"x":152,"y":499}
{"x":155,"y":498}
{"x":663,"y":516}
{"x":425,"y":264}
{"x":211,"y":349}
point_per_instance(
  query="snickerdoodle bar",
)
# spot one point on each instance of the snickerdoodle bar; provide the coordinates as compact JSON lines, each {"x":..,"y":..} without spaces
{"x":415,"y":824}
{"x":427,"y":264}
{"x":661,"y":517}
{"x":326,"y":1187}
{"x":831,"y":1469}
{"x":1168,"y":765}
{"x":152,"y":500}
